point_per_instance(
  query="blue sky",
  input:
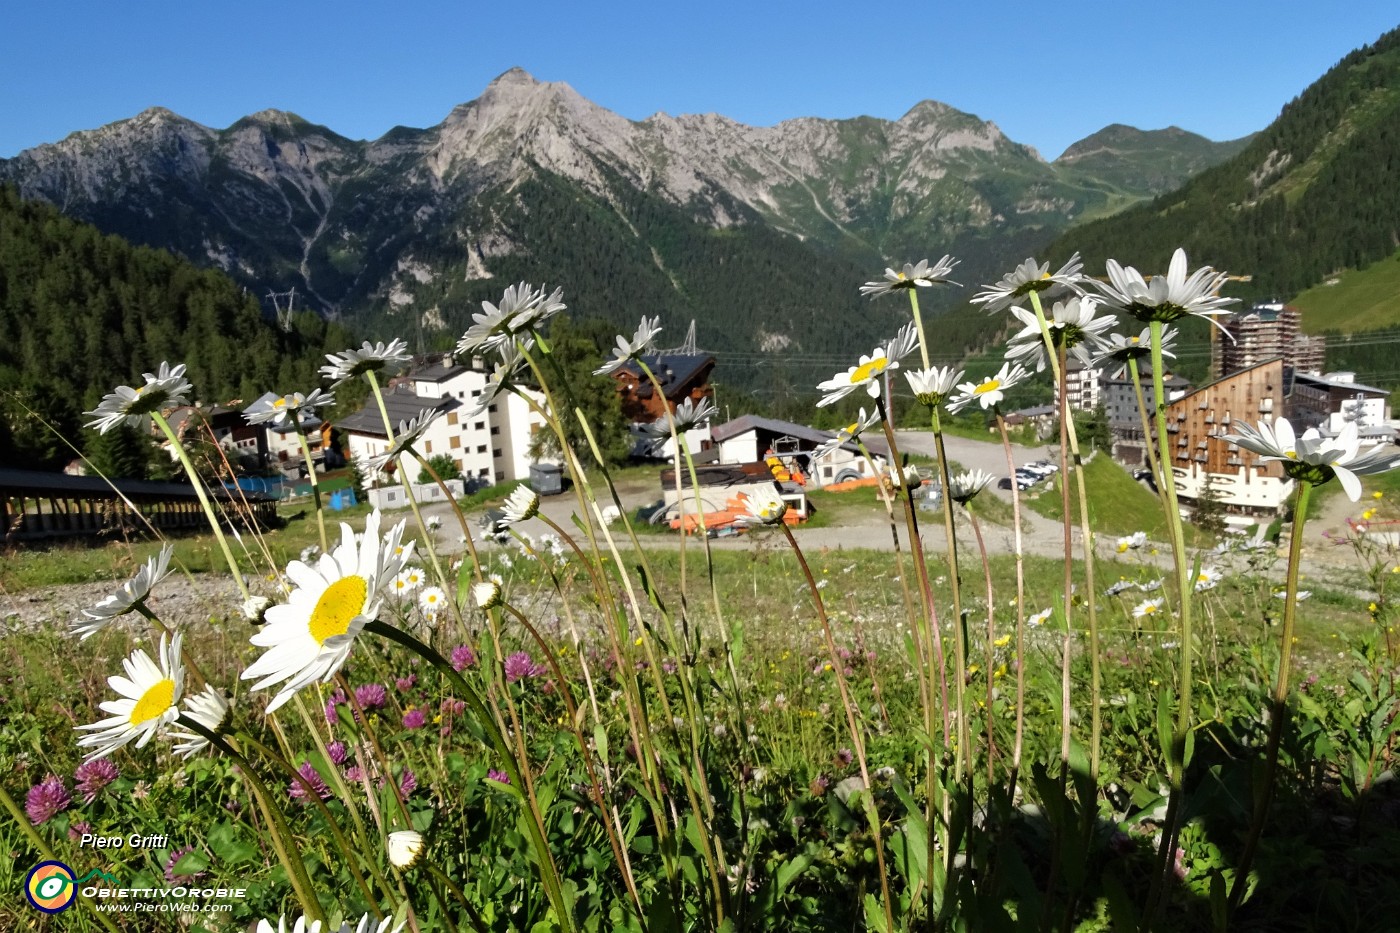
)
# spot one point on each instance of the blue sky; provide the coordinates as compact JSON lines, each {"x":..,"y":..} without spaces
{"x":1046,"y":73}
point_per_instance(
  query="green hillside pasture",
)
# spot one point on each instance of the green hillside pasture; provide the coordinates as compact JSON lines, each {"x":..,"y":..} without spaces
{"x":1362,"y":299}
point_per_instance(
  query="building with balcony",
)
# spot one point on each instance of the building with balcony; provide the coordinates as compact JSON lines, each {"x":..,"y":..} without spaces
{"x":1267,"y":330}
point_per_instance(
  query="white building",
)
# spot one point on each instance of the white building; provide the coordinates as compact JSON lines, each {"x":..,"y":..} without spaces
{"x":1081,"y":385}
{"x":1330,"y":401}
{"x":490,"y":445}
{"x":750,"y":438}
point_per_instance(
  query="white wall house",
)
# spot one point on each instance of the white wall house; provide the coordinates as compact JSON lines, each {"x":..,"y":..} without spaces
{"x":490,"y":445}
{"x":750,"y":438}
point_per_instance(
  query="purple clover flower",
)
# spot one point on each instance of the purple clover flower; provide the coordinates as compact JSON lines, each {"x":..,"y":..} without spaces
{"x":313,"y":778}
{"x":406,"y":684}
{"x":94,"y":775}
{"x":463,"y":657}
{"x":501,"y":776}
{"x":414,"y":719}
{"x":371,"y":696}
{"x":47,"y":799}
{"x":337,"y":752}
{"x":520,"y":665}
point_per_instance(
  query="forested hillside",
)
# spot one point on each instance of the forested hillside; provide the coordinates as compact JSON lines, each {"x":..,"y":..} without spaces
{"x":1315,"y":192}
{"x":81,"y":312}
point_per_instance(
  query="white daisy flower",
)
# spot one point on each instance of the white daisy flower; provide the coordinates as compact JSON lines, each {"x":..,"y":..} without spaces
{"x":1119,"y":587}
{"x":1132,"y":542}
{"x":1151,"y":586}
{"x":132,"y":595}
{"x":287,"y":409}
{"x":254,"y":608}
{"x":764,"y":507}
{"x":1039,"y":619}
{"x":487,"y":594}
{"x":1072,"y":325}
{"x":1207,"y":579}
{"x":933,"y":385}
{"x":1031,"y":276}
{"x":990,"y":391}
{"x":523,"y":308}
{"x":309,"y":637}
{"x":410,"y":432}
{"x":965,"y":486}
{"x":505,"y":377}
{"x":370,"y":358}
{"x":642,"y":342}
{"x":847,"y":434}
{"x":1313,"y":457}
{"x":367,"y":924}
{"x":520,"y":505}
{"x":432,"y":600}
{"x":1121,"y":349}
{"x":165,"y":388}
{"x":406,"y":581}
{"x":1148,"y":608}
{"x":1283,"y":594}
{"x":209,"y":708}
{"x":870,"y":370}
{"x":911,"y":276}
{"x":151,"y":697}
{"x":1167,"y":297}
{"x":404,"y":848}
{"x":688,"y":414}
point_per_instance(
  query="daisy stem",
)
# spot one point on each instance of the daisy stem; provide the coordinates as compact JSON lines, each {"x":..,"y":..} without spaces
{"x":534,"y":823}
{"x":1019,"y":742}
{"x":407,"y":484}
{"x":965,"y":761}
{"x":1264,"y":793}
{"x":594,"y":784}
{"x":282,"y":839}
{"x":1067,"y":601}
{"x":37,"y":841}
{"x":457,"y":510}
{"x":315,"y":483}
{"x":989,"y":648}
{"x":346,"y":849}
{"x":1166,"y":485}
{"x":918,"y":323}
{"x":204,"y":502}
{"x":185,"y":655}
{"x":857,"y":738}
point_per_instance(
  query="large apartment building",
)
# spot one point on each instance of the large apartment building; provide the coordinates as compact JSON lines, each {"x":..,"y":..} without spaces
{"x":491,"y":444}
{"x":1266,"y":331}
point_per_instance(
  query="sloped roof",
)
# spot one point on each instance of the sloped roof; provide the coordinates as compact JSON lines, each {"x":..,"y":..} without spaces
{"x":401,"y":402}
{"x":674,"y":371}
{"x":31,"y":482}
{"x":746,"y":423}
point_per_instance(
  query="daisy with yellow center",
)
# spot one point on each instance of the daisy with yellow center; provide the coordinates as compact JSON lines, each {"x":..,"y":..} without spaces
{"x":309,"y":637}
{"x":150,"y":701}
{"x":432,"y":601}
{"x":1149,"y":608}
{"x":869,"y":371}
{"x":990,"y":391}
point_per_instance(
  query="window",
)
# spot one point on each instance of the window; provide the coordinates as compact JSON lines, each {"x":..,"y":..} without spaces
{"x":493,"y":409}
{"x":496,"y":452}
{"x":428,"y":446}
{"x":451,"y":417}
{"x":479,"y":426}
{"x":481,"y":449}
{"x":495,"y":429}
{"x":455,"y":443}
{"x":484,"y":471}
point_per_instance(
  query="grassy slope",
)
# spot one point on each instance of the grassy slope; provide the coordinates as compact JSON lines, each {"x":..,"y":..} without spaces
{"x":1363,"y":299}
{"x":1118,"y":504}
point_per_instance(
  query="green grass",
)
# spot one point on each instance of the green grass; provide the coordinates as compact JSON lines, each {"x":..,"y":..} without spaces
{"x":1362,"y":299}
{"x":1118,"y":504}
